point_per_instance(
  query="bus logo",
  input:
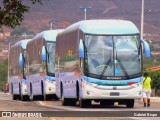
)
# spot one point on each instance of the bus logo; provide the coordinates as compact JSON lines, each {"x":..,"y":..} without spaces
{"x":114,"y":88}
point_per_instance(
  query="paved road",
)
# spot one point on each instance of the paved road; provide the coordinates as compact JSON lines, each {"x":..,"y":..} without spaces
{"x":7,"y":104}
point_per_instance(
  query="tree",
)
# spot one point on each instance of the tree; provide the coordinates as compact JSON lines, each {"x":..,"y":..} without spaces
{"x":12,"y":12}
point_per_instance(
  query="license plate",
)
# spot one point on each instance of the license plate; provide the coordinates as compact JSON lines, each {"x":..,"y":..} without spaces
{"x":114,"y":93}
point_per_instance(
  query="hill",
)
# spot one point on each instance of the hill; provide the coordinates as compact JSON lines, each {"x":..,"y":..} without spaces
{"x":66,"y":12}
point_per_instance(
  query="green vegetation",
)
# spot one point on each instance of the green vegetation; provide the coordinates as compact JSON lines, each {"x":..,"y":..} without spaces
{"x":3,"y":73}
{"x":149,"y":62}
{"x":155,"y":76}
{"x":12,"y":12}
{"x":70,"y":58}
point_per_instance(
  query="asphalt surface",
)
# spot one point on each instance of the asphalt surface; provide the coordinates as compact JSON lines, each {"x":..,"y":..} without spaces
{"x":50,"y":110}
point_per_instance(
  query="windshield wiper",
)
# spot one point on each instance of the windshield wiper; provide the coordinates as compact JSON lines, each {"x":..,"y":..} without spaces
{"x":123,"y":68}
{"x":105,"y":68}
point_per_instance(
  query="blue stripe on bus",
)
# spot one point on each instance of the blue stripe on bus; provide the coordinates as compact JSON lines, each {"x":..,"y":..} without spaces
{"x":111,"y":82}
{"x":24,"y":81}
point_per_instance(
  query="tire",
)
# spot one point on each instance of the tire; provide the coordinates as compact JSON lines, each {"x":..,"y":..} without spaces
{"x":130,"y":103}
{"x":72,"y":102}
{"x":64,"y":100}
{"x":53,"y":96}
{"x":105,"y":102}
{"x":14,"y":97}
{"x":83,"y":103}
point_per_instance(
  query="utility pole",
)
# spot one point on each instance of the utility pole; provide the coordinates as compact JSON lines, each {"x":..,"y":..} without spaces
{"x":51,"y":24}
{"x":8,"y":59}
{"x":85,"y":8}
{"x":142,"y":20}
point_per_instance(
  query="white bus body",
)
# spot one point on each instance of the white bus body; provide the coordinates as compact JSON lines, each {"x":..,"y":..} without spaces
{"x":40,"y":65}
{"x":17,"y":76}
{"x":99,"y":60}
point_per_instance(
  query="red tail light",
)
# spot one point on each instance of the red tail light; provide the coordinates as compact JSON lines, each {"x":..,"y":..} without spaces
{"x":131,"y":83}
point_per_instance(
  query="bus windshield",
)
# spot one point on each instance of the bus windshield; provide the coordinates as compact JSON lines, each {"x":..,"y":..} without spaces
{"x":50,"y":57}
{"x":117,"y":56}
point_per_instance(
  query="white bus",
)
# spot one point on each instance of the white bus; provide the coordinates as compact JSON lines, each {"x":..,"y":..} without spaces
{"x":99,"y":60}
{"x":40,"y":65}
{"x":17,"y":76}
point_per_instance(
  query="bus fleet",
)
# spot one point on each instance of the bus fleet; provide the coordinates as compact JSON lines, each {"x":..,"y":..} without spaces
{"x":91,"y":60}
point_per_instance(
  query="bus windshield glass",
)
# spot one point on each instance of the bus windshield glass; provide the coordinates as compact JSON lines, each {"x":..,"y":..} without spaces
{"x":116,"y":56}
{"x":50,"y":57}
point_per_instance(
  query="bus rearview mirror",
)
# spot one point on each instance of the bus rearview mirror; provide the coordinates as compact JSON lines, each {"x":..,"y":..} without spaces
{"x":146,"y":48}
{"x":44,"y":53}
{"x":81,"y":49}
{"x":21,"y":62}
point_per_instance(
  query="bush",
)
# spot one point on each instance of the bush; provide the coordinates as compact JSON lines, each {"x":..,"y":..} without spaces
{"x":155,"y":76}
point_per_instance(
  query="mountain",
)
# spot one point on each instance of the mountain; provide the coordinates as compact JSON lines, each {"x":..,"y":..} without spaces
{"x":66,"y":12}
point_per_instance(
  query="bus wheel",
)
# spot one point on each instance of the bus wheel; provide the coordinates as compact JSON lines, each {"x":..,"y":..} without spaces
{"x":14,"y":97}
{"x":130,"y":103}
{"x":72,"y":102}
{"x":65,"y":101}
{"x":106,"y":102}
{"x":54,"y":96}
{"x":84,"y":103}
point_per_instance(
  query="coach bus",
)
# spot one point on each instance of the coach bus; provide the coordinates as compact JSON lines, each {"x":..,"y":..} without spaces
{"x":40,"y":65}
{"x":17,"y":74}
{"x":100,"y":60}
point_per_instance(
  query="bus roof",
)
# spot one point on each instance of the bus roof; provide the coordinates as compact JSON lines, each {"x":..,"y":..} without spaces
{"x":110,"y":27}
{"x":49,"y":35}
{"x":23,"y":43}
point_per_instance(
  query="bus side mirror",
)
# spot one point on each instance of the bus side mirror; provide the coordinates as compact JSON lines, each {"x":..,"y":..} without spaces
{"x":81,"y":49}
{"x":44,"y":53}
{"x":21,"y":62}
{"x":147,"y":50}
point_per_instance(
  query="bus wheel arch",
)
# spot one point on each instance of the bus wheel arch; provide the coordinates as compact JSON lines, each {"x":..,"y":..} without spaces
{"x":44,"y":96}
{"x":64,"y":100}
{"x":61,"y":90}
{"x":31,"y":93}
{"x":20,"y":92}
{"x":77,"y":90}
{"x":42,"y":90}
